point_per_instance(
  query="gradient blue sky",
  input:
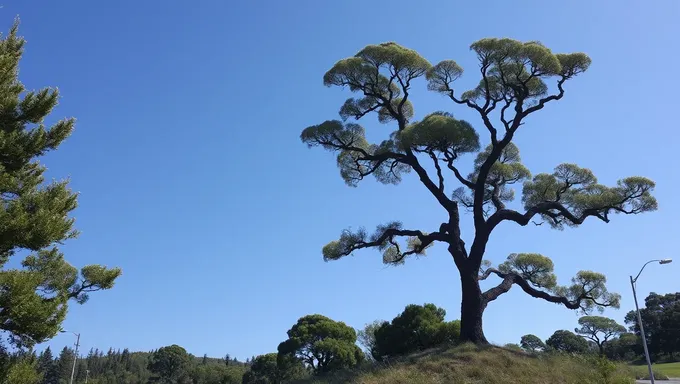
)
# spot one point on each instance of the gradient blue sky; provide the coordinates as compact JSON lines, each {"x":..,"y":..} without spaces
{"x":194,"y":181}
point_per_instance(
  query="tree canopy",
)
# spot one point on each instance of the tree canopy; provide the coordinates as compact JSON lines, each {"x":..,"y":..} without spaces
{"x":532,"y":343}
{"x":599,"y":330}
{"x":518,"y":79}
{"x":170,"y":364}
{"x":273,"y":369}
{"x":417,"y":328}
{"x":322,"y":344}
{"x":660,"y":316}
{"x":565,"y":341}
{"x":35,"y":214}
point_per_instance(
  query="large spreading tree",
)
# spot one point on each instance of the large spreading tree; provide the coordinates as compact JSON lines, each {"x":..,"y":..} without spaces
{"x":35,"y":214}
{"x":513,"y":87}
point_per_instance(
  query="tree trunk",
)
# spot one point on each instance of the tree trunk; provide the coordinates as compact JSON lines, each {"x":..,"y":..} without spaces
{"x":472,"y":308}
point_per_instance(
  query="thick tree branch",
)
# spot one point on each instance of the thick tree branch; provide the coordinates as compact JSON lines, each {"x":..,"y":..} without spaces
{"x":435,"y":160}
{"x":511,"y":278}
{"x":542,"y":102}
{"x":449,"y":157}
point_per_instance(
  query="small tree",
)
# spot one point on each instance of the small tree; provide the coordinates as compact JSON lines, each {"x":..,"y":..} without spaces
{"x":322,"y":344}
{"x":35,"y":215}
{"x":366,"y":336}
{"x":565,"y":341}
{"x":170,"y":364}
{"x":417,"y":328}
{"x":512,"y":88}
{"x":23,"y":372}
{"x":599,"y":330}
{"x":532,"y":343}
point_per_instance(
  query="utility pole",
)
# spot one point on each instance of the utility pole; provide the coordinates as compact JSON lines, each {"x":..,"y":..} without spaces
{"x":75,"y":356}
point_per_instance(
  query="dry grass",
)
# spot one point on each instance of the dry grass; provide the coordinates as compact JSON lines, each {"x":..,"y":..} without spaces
{"x":469,"y":364}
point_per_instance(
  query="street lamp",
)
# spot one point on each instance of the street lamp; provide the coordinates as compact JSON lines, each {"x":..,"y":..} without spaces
{"x":75,"y":355}
{"x":637,"y":308}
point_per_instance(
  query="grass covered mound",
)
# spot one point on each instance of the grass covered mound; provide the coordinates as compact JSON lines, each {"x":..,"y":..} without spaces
{"x":485,"y":365}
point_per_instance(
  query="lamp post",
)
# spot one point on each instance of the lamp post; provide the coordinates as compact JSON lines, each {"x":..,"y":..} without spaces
{"x":637,"y":308}
{"x":75,"y":355}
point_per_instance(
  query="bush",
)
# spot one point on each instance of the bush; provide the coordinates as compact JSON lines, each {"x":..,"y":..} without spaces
{"x":419,"y":327}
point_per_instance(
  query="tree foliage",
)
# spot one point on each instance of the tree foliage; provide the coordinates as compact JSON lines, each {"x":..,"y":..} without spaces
{"x":35,"y":214}
{"x":23,"y":372}
{"x":170,"y":364}
{"x":322,"y":344}
{"x":273,"y":369}
{"x":565,"y":341}
{"x":660,"y":316}
{"x":417,"y":328}
{"x":514,"y":84}
{"x":366,"y":336}
{"x":532,"y":343}
{"x":599,"y":330}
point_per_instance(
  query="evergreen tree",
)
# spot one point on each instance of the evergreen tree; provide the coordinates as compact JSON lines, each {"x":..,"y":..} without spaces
{"x":205,"y":359}
{"x":64,"y":365}
{"x":47,"y":367}
{"x":35,"y":215}
{"x":227,"y":359}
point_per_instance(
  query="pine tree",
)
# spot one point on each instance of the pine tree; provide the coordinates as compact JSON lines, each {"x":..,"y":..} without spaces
{"x":227,"y":359}
{"x":47,"y":367}
{"x":205,"y":359}
{"x":64,"y":365}
{"x":35,"y":215}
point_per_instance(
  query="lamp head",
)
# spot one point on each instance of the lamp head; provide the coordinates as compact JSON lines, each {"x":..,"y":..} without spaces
{"x":665,"y":261}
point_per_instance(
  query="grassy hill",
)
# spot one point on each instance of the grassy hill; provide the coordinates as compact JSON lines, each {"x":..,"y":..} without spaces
{"x":468,"y":364}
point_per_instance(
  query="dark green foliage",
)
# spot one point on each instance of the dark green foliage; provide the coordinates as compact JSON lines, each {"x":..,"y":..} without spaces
{"x":514,"y":85}
{"x":170,"y":364}
{"x":625,"y":347}
{"x":565,"y":341}
{"x":64,"y":365}
{"x":273,"y":369}
{"x":323,"y":344}
{"x":532,"y":343}
{"x":35,"y":214}
{"x":47,"y":367}
{"x":599,"y":330}
{"x":417,"y":328}
{"x":660,"y":316}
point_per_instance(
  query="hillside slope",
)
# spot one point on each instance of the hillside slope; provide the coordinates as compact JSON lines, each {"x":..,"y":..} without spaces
{"x":468,"y":364}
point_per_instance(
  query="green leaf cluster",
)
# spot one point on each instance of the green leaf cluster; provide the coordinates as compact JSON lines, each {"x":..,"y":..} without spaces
{"x":440,"y":132}
{"x":565,"y":341}
{"x":322,"y":344}
{"x":577,"y":189}
{"x":417,"y":328}
{"x":532,"y":343}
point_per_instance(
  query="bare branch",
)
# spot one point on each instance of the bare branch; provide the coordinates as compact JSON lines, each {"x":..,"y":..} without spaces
{"x":449,"y":157}
{"x":435,"y":160}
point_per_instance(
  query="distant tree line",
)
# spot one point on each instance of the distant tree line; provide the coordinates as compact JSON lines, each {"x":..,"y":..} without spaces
{"x":597,"y":334}
{"x":318,"y":345}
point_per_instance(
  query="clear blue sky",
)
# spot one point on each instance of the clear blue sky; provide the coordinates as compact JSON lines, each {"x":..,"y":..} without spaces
{"x":194,"y":181}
